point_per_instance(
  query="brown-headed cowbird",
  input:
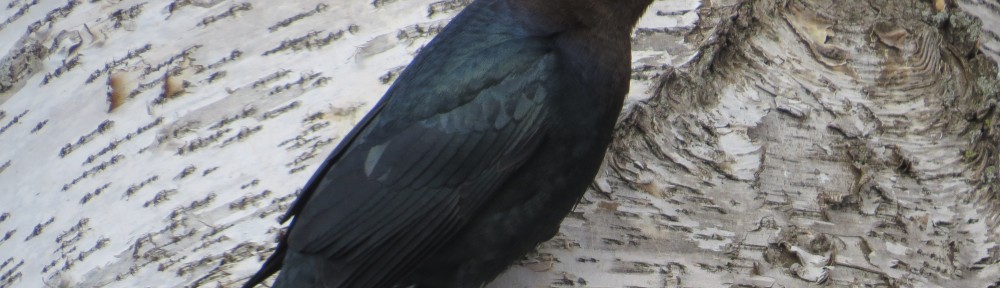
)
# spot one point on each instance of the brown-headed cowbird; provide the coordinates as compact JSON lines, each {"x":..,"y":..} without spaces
{"x":475,"y":154}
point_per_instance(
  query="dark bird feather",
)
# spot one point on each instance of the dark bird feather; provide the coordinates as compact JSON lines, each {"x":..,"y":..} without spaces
{"x":473,"y":156}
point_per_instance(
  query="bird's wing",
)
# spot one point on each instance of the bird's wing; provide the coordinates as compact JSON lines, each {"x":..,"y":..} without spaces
{"x":441,"y":142}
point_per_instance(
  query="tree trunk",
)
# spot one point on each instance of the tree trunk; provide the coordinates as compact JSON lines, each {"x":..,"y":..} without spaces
{"x":766,"y":143}
{"x":811,"y":143}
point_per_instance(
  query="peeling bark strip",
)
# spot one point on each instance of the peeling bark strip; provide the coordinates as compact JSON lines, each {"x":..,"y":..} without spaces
{"x":813,"y":143}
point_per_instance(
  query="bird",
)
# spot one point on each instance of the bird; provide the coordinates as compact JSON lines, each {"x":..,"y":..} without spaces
{"x":472,"y":157}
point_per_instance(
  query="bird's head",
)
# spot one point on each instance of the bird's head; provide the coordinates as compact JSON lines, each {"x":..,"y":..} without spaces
{"x":612,"y":13}
{"x":591,"y":14}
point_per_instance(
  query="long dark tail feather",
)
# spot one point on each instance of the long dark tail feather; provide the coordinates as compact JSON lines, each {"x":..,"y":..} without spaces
{"x":271,"y":266}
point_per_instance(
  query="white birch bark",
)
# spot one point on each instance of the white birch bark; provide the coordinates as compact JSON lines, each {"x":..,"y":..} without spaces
{"x":849,"y":144}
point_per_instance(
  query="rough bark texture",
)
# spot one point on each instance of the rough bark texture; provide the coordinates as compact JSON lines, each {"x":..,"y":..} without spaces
{"x":812,"y":143}
{"x":768,"y":143}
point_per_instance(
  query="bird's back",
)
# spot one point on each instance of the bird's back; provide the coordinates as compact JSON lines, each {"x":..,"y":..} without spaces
{"x":474,"y":155}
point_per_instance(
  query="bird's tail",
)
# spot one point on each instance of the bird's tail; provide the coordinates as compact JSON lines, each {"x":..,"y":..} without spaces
{"x":301,"y":272}
{"x":309,"y":271}
{"x":271,"y":266}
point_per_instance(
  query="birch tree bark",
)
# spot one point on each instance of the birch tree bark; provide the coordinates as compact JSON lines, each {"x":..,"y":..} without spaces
{"x":811,"y":143}
{"x":765,"y":144}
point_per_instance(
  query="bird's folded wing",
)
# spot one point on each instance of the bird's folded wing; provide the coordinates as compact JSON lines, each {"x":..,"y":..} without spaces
{"x":435,"y":149}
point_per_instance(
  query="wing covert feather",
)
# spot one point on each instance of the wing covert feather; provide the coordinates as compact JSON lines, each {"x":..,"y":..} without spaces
{"x":403,"y":185}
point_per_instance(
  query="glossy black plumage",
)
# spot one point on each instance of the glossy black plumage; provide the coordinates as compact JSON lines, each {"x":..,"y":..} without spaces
{"x":474,"y":155}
